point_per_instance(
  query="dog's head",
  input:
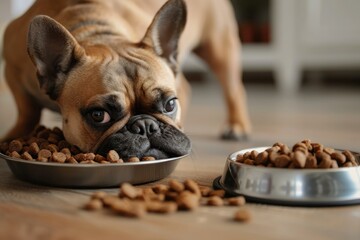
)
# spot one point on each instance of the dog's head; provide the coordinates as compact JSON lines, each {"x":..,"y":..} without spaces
{"x":113,"y":93}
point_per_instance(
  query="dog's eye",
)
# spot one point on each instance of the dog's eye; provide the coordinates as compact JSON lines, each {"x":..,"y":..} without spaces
{"x":100,"y":116}
{"x":170,"y":105}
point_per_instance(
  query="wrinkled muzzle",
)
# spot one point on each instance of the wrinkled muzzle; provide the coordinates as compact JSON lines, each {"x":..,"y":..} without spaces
{"x":144,"y":135}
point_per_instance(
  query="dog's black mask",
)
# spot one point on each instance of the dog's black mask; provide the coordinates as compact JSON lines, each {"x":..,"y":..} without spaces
{"x":144,"y":135}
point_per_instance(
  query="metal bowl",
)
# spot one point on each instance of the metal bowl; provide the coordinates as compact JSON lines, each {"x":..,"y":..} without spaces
{"x":297,"y":187}
{"x":90,"y":175}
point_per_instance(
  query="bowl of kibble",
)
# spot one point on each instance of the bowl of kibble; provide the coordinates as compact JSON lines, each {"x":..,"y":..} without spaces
{"x":308,"y":174}
{"x":45,"y":157}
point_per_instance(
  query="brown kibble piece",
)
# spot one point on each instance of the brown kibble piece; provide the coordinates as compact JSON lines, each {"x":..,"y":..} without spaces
{"x":117,"y":161}
{"x":176,"y":186}
{"x":16,"y":146}
{"x":99,"y":195}
{"x":350,"y":157}
{"x":215,"y":201}
{"x":148,"y":158}
{"x":236,"y":201}
{"x":282,"y":161}
{"x":272,"y":156}
{"x":262,"y":158}
{"x":317,"y":147}
{"x":128,"y":208}
{"x":129,"y":191}
{"x":87,"y":162}
{"x":109,"y":200}
{"x":112,"y":156}
{"x":311,"y":162}
{"x":34,"y":149}
{"x":242,"y":215}
{"x":219,"y":193}
{"x":160,"y":188}
{"x":321,"y":156}
{"x":284,"y":149}
{"x":187,"y":201}
{"x":90,"y":156}
{"x":80,"y":157}
{"x":205,"y":191}
{"x":273,"y":149}
{"x":249,"y":162}
{"x":253,"y":154}
{"x":27,"y":156}
{"x":14,"y":154}
{"x":347,"y":164}
{"x":240,"y":158}
{"x":325,"y":163}
{"x":52,"y":147}
{"x":148,"y":194}
{"x":278,"y":144}
{"x":72,"y":160}
{"x":43,"y":144}
{"x":338,"y":157}
{"x":161,"y":207}
{"x":58,"y":157}
{"x":67,"y":152}
{"x":133,"y":159}
{"x":328,"y":150}
{"x":94,"y":204}
{"x":44,"y":155}
{"x":192,"y":186}
{"x":99,"y":158}
{"x":334,"y":164}
{"x":299,"y":147}
{"x":307,"y":142}
{"x":299,"y":159}
{"x":246,"y":155}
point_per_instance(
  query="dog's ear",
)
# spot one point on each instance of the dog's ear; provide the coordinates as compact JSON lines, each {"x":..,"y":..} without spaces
{"x":165,"y":30}
{"x":54,"y":51}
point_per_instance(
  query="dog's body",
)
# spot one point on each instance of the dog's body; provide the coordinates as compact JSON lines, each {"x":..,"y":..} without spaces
{"x":106,"y":64}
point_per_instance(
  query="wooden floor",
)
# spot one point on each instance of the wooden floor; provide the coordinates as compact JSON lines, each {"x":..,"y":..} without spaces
{"x":327,"y":115}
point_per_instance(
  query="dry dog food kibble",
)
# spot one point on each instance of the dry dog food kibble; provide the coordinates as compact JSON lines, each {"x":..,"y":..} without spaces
{"x":168,"y":198}
{"x":303,"y":155}
{"x":49,"y":145}
{"x":215,"y":201}
{"x":242,"y":215}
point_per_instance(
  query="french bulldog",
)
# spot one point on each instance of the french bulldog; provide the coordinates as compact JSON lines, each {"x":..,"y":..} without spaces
{"x":112,"y":69}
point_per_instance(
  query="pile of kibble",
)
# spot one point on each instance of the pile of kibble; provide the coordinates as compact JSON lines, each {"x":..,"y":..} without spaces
{"x":303,"y":155}
{"x":165,"y":199}
{"x":49,"y":145}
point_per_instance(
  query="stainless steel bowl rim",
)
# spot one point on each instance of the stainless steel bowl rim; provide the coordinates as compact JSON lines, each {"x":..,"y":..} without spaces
{"x":232,"y":158}
{"x":90,"y":165}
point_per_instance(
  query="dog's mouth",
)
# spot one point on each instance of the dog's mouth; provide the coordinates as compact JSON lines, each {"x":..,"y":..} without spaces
{"x":144,"y":136}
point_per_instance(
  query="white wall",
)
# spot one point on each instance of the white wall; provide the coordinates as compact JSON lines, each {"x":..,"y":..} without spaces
{"x":9,"y":9}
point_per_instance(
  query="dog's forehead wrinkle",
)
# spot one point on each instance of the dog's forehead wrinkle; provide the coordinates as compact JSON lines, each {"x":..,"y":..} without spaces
{"x":113,"y":102}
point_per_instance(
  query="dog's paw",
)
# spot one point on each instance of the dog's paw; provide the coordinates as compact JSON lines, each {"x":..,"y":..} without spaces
{"x":231,"y":135}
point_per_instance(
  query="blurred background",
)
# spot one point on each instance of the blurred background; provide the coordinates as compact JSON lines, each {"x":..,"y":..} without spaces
{"x":301,"y":69}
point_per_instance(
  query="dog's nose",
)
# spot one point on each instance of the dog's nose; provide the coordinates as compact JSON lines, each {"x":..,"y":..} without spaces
{"x":143,"y":125}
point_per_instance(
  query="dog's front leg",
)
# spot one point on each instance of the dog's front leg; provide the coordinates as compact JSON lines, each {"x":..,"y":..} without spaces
{"x":29,"y":110}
